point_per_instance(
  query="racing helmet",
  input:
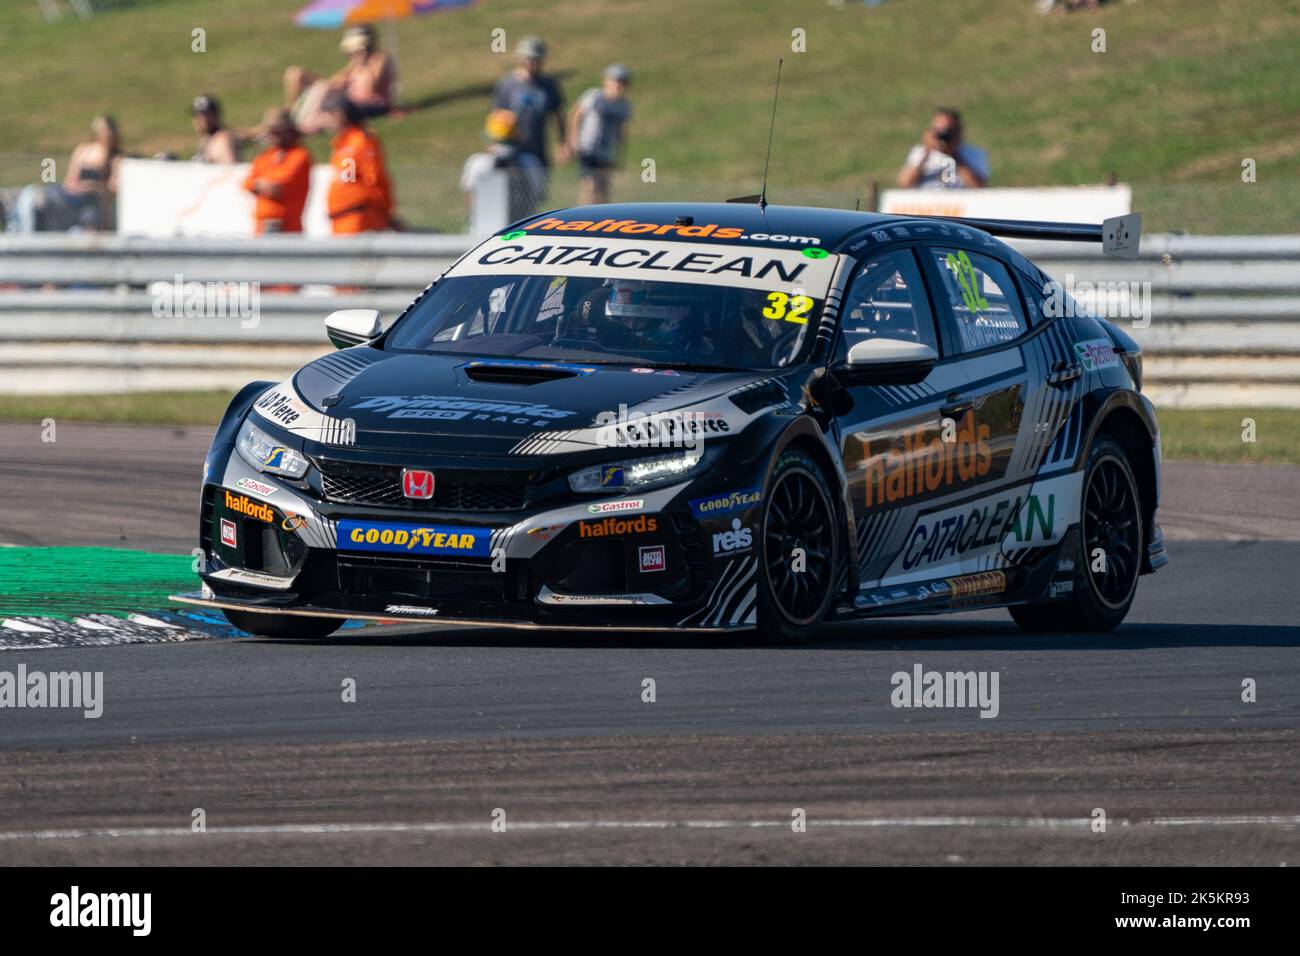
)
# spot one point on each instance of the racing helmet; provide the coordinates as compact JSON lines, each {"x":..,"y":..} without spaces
{"x":647,"y":313}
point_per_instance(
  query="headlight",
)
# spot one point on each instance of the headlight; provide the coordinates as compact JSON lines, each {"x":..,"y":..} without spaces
{"x":634,"y":474}
{"x":266,"y":454}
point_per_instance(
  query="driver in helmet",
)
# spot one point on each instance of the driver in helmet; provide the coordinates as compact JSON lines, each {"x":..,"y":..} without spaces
{"x":643,"y":315}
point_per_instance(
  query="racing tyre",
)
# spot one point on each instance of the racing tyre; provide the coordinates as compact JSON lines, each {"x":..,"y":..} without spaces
{"x":798,"y":520}
{"x":1111,"y":539}
{"x":291,"y":626}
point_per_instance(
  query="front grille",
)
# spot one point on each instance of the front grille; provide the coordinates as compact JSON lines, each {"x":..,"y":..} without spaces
{"x":429,"y":579}
{"x":359,"y":489}
{"x":382,"y":486}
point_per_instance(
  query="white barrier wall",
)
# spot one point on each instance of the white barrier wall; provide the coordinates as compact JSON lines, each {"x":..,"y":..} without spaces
{"x":1063,"y":204}
{"x":161,"y":199}
{"x":1221,"y":327}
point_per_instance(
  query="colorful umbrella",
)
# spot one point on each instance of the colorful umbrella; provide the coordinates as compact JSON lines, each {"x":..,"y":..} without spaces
{"x":333,"y":14}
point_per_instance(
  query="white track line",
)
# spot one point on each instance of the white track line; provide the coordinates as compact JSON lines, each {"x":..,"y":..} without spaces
{"x":1049,"y":823}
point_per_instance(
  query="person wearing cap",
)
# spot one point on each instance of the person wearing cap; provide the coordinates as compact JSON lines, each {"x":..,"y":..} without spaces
{"x":525,"y":176}
{"x":280,"y":176}
{"x":360,"y":196}
{"x":369,"y":81}
{"x":216,"y":143}
{"x":597,"y":131}
{"x":533,"y":97}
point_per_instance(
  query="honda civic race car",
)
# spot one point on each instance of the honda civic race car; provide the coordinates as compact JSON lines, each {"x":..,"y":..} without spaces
{"x":699,"y":417}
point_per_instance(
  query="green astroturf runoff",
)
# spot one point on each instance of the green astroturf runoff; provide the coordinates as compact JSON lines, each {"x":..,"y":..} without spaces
{"x":64,"y":582}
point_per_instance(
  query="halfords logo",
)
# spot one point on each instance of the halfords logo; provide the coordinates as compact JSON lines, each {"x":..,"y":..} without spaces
{"x":413,"y":539}
{"x":247,"y":506}
{"x":610,"y":527}
{"x":417,"y":484}
{"x":632,"y":227}
{"x":919,"y":468}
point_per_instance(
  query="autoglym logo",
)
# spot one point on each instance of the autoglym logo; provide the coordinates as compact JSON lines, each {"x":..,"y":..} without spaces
{"x":652,"y":558}
{"x":417,"y":483}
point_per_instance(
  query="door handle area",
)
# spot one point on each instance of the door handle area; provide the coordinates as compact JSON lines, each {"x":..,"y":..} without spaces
{"x":956,"y":406}
{"x":1062,"y":374}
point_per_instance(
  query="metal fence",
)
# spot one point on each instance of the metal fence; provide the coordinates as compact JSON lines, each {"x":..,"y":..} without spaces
{"x":1219,"y":318}
{"x":429,"y":198}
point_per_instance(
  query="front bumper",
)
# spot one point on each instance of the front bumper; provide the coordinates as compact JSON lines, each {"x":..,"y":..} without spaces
{"x":634,"y":563}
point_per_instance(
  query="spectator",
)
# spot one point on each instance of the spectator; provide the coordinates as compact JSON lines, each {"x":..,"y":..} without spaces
{"x":82,"y":200}
{"x":941,"y":160}
{"x":533,"y":97}
{"x":597,"y":130}
{"x":216,"y":143}
{"x":360,"y":197}
{"x":280,"y":177}
{"x":526,"y":177}
{"x":369,"y":81}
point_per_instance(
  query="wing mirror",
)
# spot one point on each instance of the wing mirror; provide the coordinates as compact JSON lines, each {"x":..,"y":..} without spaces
{"x":349,"y":327}
{"x":889,"y":362}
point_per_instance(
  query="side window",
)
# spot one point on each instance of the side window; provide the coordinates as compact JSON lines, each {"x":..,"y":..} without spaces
{"x":983,"y":299}
{"x":886,"y":300}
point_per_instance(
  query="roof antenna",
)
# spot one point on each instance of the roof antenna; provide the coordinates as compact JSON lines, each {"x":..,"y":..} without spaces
{"x":762,"y":195}
{"x":761,"y":198}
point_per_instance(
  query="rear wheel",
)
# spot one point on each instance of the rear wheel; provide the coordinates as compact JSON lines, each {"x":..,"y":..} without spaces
{"x":291,"y":626}
{"x":1108,"y":558}
{"x":798,"y":550}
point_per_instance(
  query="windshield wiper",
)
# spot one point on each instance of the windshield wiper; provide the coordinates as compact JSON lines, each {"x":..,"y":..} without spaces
{"x":690,"y":366}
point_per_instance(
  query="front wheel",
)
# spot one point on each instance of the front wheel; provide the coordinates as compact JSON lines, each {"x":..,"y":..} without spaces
{"x":798,"y":550}
{"x":289,"y":626}
{"x":1108,"y":558}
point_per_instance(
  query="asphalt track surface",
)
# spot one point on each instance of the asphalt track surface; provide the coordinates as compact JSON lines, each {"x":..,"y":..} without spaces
{"x":450,"y":727}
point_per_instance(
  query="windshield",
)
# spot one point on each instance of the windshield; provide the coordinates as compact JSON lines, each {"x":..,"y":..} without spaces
{"x":551,"y":308}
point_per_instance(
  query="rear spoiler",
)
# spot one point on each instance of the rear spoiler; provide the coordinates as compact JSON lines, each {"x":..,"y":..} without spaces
{"x":1119,"y":236}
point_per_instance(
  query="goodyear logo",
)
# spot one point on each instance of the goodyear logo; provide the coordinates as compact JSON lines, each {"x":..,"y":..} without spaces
{"x":725,"y":502}
{"x":414,"y":539}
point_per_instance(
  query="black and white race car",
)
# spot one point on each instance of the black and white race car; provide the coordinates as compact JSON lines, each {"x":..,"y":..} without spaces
{"x":699,"y":417}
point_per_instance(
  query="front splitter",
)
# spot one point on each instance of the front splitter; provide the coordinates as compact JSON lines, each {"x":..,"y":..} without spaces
{"x":196,"y":598}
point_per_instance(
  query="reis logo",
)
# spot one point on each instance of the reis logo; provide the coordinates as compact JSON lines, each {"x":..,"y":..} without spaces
{"x":417,"y":483}
{"x":737,"y":539}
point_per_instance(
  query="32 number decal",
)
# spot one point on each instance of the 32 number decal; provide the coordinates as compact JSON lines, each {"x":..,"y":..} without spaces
{"x":788,"y":308}
{"x":968,"y":279}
